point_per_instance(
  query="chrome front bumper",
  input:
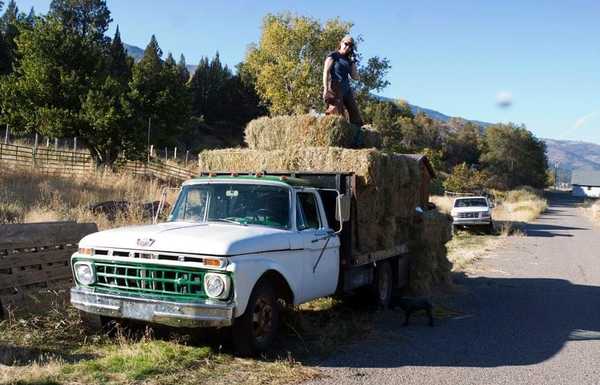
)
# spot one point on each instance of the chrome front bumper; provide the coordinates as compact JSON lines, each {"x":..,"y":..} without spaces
{"x":204,"y":314}
{"x":472,"y":221}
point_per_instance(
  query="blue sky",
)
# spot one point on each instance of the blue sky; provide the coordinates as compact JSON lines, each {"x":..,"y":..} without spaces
{"x":455,"y":57}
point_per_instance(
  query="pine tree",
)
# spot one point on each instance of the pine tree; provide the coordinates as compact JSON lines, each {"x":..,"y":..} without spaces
{"x":120,"y":62}
{"x":160,"y":94}
{"x":9,"y":32}
{"x":85,"y":101}
{"x":183,"y":71}
{"x":88,"y":18}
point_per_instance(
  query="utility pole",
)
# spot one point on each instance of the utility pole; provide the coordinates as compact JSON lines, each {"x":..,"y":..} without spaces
{"x":556,"y":184}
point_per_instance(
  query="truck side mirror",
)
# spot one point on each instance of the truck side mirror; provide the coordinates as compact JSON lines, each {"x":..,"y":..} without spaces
{"x":342,"y":208}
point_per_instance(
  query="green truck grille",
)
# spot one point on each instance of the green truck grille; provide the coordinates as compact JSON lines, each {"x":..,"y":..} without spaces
{"x":150,"y":279}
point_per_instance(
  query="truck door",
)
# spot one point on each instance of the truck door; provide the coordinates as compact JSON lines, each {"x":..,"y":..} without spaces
{"x":321,"y":246}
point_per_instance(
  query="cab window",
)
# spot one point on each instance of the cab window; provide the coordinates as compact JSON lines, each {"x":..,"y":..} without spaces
{"x":307,"y":213}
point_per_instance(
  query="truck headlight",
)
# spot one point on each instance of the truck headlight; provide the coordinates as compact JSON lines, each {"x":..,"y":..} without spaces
{"x":84,"y":272}
{"x":216,"y":285}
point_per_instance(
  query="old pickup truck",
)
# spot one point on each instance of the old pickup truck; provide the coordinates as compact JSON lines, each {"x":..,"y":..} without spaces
{"x":232,"y":249}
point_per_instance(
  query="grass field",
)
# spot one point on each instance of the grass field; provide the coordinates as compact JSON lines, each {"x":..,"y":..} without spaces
{"x":29,"y":196}
{"x":54,"y":347}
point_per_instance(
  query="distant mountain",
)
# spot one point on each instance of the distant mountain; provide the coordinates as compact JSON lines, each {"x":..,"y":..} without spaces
{"x":569,"y":155}
{"x":573,"y":155}
{"x":137,"y":53}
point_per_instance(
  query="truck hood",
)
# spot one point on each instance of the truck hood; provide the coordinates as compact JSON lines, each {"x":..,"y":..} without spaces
{"x":221,"y":239}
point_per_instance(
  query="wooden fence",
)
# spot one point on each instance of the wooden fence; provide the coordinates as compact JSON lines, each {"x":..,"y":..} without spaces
{"x":49,"y":160}
{"x":35,"y":257}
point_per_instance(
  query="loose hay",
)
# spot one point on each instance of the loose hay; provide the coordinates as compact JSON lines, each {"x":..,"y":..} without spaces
{"x":387,"y":188}
{"x":281,"y":132}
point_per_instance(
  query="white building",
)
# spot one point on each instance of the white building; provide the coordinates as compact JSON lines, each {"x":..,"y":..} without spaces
{"x":585,"y":183}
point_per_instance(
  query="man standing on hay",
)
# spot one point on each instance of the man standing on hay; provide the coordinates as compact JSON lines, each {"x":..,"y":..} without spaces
{"x":339,"y":66}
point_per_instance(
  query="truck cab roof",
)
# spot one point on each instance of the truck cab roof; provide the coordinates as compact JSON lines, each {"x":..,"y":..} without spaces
{"x":289,"y":181}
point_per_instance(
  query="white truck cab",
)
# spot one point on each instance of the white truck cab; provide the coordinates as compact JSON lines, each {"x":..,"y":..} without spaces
{"x":473,"y":211}
{"x":232,"y":247}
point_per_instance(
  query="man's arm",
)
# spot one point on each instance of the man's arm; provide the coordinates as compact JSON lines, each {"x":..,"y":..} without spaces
{"x":354,"y":71}
{"x":326,"y":72}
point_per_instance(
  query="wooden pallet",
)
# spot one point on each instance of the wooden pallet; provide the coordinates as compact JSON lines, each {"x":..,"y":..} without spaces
{"x":35,"y":257}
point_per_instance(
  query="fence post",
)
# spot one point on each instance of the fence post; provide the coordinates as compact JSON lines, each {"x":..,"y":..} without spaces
{"x":75,"y":144}
{"x":187,"y":154}
{"x":175,"y":154}
{"x":6,"y":135}
{"x":55,"y":144}
{"x":35,"y":146}
{"x":47,"y":141}
{"x":166,"y":155}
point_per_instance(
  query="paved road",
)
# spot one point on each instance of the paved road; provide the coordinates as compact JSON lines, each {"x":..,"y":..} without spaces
{"x":531,"y":315}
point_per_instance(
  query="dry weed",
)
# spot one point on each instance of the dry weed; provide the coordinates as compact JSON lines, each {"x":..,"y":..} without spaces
{"x":27,"y":195}
{"x":593,"y":212}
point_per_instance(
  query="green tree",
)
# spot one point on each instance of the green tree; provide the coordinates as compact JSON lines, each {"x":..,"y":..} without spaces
{"x":159,"y":95}
{"x":8,"y":34}
{"x":464,"y":178}
{"x":183,"y":71}
{"x":514,"y":156}
{"x":463,"y":145}
{"x":287,"y":62}
{"x":210,"y":88}
{"x":68,"y":82}
{"x":120,"y":64}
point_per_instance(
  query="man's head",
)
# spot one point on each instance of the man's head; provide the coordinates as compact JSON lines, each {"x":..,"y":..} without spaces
{"x":347,"y":45}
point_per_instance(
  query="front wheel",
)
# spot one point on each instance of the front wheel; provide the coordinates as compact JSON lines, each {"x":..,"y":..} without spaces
{"x":256,"y":329}
{"x":383,"y":284}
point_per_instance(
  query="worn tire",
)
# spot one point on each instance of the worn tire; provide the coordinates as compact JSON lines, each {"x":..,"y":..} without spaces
{"x":254,"y":332}
{"x":383,"y":284}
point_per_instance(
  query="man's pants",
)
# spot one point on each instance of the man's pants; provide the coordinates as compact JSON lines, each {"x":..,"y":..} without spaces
{"x":344,"y":102}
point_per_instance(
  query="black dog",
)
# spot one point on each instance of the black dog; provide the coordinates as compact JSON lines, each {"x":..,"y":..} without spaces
{"x":410,"y":305}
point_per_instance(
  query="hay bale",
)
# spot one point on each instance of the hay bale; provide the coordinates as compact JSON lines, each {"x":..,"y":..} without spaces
{"x":431,"y":265}
{"x":387,"y":184}
{"x":280,"y":132}
{"x":370,"y":137}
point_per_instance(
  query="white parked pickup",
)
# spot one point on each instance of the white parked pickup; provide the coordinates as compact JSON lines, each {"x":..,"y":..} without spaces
{"x":233,"y":248}
{"x":473,"y":211}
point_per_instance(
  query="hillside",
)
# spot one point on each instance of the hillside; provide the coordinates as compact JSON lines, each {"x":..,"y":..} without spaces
{"x":137,"y":53}
{"x":571,"y":155}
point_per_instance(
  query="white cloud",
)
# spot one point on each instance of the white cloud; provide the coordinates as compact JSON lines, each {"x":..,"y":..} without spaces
{"x":504,"y":99}
{"x":580,"y":122}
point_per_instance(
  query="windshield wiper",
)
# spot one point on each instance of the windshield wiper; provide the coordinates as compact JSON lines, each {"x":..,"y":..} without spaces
{"x":228,"y":221}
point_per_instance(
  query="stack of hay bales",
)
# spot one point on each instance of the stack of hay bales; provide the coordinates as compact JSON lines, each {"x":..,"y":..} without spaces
{"x":430,"y":233}
{"x":387,"y":190}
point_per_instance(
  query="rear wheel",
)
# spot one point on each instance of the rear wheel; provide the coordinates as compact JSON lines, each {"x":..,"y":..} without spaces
{"x":256,"y":329}
{"x":383,"y":284}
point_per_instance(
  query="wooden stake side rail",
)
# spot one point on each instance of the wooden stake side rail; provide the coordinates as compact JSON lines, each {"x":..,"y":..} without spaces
{"x":36,"y":256}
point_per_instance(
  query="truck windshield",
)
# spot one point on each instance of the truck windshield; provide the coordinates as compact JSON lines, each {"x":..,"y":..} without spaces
{"x":244,"y":204}
{"x":470,"y":202}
